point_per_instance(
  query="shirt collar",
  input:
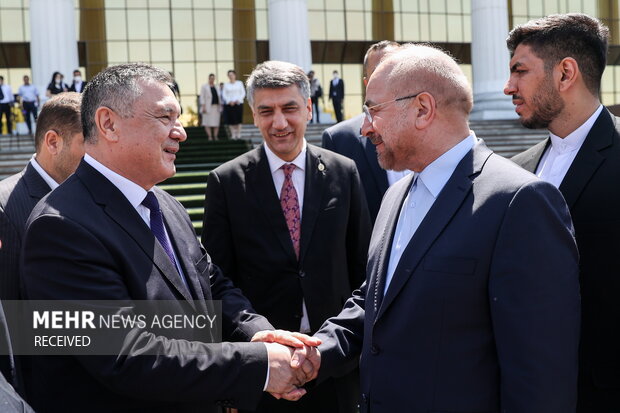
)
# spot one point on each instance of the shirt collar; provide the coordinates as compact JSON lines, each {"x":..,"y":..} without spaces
{"x":134,"y":193}
{"x":275,"y":162}
{"x":435,"y":175}
{"x":46,"y":177}
{"x":574,"y":140}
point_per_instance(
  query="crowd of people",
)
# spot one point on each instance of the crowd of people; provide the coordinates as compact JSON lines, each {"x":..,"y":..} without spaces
{"x":403,"y":266}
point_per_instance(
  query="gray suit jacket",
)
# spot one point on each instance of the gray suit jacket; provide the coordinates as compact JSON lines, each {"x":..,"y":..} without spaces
{"x":482,"y":313}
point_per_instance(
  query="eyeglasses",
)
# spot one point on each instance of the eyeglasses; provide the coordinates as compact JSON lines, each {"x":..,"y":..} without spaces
{"x":366,"y":109}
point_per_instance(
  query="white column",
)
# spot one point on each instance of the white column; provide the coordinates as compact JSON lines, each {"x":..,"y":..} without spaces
{"x":489,"y":57}
{"x":53,"y":41}
{"x":289,"y":38}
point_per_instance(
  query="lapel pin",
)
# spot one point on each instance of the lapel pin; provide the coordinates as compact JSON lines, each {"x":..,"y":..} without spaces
{"x":321,"y":167}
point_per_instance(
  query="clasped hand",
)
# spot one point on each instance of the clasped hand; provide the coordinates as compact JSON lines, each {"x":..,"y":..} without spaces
{"x":294,"y":360}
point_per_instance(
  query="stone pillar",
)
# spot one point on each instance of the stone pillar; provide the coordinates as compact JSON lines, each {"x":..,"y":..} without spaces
{"x":289,"y":38}
{"x":490,"y":59}
{"x":53,"y":41}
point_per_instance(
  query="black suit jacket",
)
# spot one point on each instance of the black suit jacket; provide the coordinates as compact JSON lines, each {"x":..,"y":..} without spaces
{"x":246,"y":234}
{"x":479,"y":315}
{"x":344,"y":138}
{"x":73,"y":87}
{"x":591,"y":190}
{"x":18,"y":196}
{"x":336,"y":92}
{"x":85,"y":241}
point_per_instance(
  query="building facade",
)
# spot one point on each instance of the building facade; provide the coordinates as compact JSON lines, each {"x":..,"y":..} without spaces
{"x":193,"y":38}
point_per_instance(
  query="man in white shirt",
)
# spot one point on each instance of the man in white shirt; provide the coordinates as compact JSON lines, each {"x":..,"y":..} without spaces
{"x":107,"y":233}
{"x":29,"y":99}
{"x":556,"y":67}
{"x":6,"y":104}
{"x":462,"y":308}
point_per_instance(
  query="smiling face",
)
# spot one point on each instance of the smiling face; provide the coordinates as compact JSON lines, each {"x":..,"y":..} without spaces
{"x":282,"y":114}
{"x":149,"y":140}
{"x":532,"y":88}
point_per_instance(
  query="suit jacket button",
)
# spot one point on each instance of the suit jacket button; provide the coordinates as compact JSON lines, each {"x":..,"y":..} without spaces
{"x":374,"y":349}
{"x":302,"y":274}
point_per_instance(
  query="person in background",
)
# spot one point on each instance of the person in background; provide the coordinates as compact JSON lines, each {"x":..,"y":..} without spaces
{"x":336,"y":94}
{"x":29,"y":101}
{"x":78,"y":83}
{"x":234,"y":95}
{"x":316,"y":92}
{"x":6,"y":104}
{"x":345,"y":138}
{"x":210,"y":108}
{"x":56,"y":86}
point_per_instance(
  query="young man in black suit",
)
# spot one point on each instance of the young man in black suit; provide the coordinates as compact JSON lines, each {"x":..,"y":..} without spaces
{"x":288,"y":223}
{"x":336,"y":95}
{"x":556,"y":67}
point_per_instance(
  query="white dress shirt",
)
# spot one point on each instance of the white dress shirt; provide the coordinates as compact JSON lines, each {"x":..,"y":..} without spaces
{"x":299,"y":182}
{"x":135,"y":194}
{"x":46,"y":177}
{"x":233,"y":92}
{"x":28,"y":93}
{"x":421,"y":197}
{"x":8,"y":94}
{"x":559,"y":156}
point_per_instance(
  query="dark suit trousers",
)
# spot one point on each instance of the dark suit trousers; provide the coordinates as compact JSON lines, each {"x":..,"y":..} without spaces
{"x":5,"y":109}
{"x":315,"y":105}
{"x":30,"y":108}
{"x":337,"y":108}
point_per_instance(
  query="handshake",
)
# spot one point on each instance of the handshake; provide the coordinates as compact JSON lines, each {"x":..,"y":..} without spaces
{"x":294,"y":360}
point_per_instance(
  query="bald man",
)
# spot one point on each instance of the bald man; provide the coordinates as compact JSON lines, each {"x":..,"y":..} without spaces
{"x":471,"y":299}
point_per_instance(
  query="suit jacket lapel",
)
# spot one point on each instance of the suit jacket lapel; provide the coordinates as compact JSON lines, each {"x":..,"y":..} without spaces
{"x":118,"y":208}
{"x":588,"y":158}
{"x":380,"y":268}
{"x":260,"y":182}
{"x":37,"y":187}
{"x":378,"y":173}
{"x":174,"y":226}
{"x":313,"y":195}
{"x":531,"y":158}
{"x":446,"y":205}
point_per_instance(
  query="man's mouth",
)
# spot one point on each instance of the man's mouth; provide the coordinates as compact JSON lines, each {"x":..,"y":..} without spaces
{"x":281,"y":134}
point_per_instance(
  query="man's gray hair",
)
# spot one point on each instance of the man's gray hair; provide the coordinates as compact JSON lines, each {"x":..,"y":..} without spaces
{"x":117,"y":87}
{"x":274,"y":74}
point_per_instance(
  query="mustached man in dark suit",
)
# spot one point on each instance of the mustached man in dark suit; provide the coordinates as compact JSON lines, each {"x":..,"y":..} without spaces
{"x":556,"y":68}
{"x":107,"y":233}
{"x":345,"y":138}
{"x":59,"y":145}
{"x":288,"y":222}
{"x":471,"y":299}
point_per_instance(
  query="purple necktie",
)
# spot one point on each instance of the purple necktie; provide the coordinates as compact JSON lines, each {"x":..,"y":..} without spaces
{"x":290,"y":206}
{"x":157,"y":225}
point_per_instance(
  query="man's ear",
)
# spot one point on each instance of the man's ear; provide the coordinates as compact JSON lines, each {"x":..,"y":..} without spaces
{"x":53,"y":142}
{"x":427,"y":108}
{"x":568,"y":72}
{"x":105,"y":119}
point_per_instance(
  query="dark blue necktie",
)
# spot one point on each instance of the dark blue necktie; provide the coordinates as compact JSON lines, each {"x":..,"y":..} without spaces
{"x":157,"y":225}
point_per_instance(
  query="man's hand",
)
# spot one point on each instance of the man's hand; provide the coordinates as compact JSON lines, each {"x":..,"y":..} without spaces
{"x":287,"y":338}
{"x":283,"y":380}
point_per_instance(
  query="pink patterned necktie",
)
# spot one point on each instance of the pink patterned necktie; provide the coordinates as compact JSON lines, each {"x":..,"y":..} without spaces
{"x":290,"y":206}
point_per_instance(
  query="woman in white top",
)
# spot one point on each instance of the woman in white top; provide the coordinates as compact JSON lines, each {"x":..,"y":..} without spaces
{"x":210,"y":108}
{"x":233,"y":94}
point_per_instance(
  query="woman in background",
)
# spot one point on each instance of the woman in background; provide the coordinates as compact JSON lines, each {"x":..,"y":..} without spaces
{"x":233,"y":95}
{"x":210,"y":108}
{"x":56,"y":86}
